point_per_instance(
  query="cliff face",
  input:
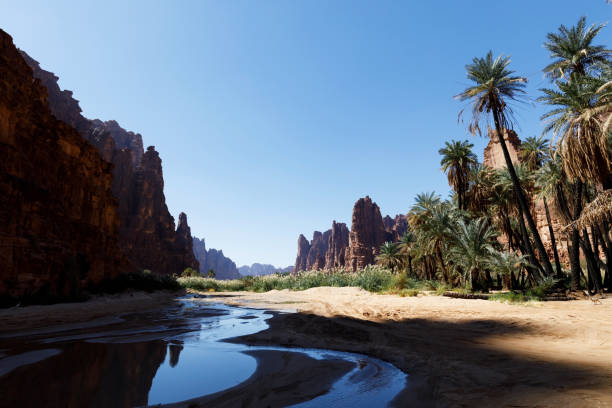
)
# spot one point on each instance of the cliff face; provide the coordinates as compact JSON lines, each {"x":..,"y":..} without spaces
{"x":60,"y":224}
{"x":493,"y":154}
{"x":223,"y":266}
{"x":367,"y":234}
{"x":302,"y":254}
{"x":354,"y":249}
{"x":337,"y":246}
{"x":258,"y":269}
{"x":147,"y":234}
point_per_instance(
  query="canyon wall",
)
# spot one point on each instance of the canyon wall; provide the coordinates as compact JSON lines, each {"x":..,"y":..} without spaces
{"x":147,"y":230}
{"x":59,"y":228}
{"x":223,"y":266}
{"x":354,"y":249}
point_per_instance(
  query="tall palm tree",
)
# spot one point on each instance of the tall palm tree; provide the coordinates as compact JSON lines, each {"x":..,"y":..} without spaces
{"x":494,"y":87}
{"x":534,"y":151}
{"x":573,"y":51}
{"x":577,"y":121}
{"x":472,"y":248}
{"x":436,"y":233}
{"x":389,"y":255}
{"x":457,"y":161}
{"x":406,"y":246}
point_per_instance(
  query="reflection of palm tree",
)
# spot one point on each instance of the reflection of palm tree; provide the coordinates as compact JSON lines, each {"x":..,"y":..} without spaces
{"x":494,"y":86}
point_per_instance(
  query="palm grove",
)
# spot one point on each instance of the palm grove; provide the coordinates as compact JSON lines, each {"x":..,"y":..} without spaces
{"x":456,"y":241}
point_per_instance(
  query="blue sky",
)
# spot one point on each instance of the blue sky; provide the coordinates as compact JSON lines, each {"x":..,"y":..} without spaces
{"x":273,"y":117}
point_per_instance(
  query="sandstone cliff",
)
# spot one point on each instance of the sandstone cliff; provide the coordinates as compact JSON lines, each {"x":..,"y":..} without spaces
{"x":258,"y":269}
{"x":367,"y":234}
{"x":147,"y":234}
{"x":337,"y":246}
{"x":60,"y":226}
{"x":223,"y":266}
{"x":354,"y":249}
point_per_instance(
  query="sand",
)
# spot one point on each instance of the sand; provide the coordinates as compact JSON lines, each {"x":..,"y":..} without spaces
{"x":458,"y":352}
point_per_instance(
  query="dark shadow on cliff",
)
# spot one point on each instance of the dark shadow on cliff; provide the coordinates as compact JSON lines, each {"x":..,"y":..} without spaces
{"x":443,"y":359}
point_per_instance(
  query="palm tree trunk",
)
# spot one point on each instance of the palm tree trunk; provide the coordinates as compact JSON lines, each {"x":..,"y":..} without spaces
{"x":553,"y":241}
{"x":527,"y":242}
{"x":592,"y":267}
{"x":520,"y":195}
{"x":442,"y":266}
{"x":574,"y":254}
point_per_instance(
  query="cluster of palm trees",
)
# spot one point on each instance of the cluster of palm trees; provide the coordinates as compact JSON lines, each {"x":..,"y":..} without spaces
{"x":487,"y":227}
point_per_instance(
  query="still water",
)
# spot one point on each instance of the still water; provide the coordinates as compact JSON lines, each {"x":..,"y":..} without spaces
{"x":162,"y":357}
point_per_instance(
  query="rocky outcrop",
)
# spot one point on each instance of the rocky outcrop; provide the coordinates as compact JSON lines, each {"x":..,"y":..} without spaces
{"x":395,"y":227}
{"x":147,"y":233}
{"x":318,"y":249}
{"x":352,"y":249}
{"x":302,"y":254}
{"x":367,"y":234}
{"x":337,"y":246}
{"x":222,"y":266}
{"x":493,"y":153}
{"x":60,"y":224}
{"x":258,"y":269}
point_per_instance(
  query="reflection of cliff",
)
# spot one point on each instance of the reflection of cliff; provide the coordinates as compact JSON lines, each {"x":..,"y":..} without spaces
{"x":87,"y":375}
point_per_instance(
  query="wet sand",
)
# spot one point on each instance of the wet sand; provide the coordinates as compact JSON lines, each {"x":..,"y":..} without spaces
{"x":457,"y":352}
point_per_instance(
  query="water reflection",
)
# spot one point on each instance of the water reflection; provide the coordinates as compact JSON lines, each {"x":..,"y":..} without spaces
{"x":156,"y":358}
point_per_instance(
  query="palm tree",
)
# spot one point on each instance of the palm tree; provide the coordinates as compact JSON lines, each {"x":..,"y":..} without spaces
{"x":509,"y":265}
{"x":534,"y":151}
{"x":472,"y":248}
{"x":436,"y":233}
{"x":406,"y":246}
{"x":389,"y":255}
{"x":421,"y":209}
{"x":576,"y":120}
{"x":573,"y":51}
{"x":494,"y":87}
{"x":457,"y":161}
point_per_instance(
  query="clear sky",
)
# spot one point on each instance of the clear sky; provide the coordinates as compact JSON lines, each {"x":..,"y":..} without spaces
{"x":273,"y":117}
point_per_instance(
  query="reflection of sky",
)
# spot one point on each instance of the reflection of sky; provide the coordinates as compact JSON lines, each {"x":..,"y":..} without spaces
{"x":206,"y":366}
{"x":201,"y":369}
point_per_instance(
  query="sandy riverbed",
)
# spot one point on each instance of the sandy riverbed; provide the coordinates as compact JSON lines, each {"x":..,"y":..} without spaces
{"x":458,"y":352}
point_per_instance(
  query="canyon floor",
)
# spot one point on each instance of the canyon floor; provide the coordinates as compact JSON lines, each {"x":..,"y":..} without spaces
{"x":458,"y":352}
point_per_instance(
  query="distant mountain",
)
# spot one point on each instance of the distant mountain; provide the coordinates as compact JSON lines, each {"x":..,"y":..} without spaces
{"x":258,"y":269}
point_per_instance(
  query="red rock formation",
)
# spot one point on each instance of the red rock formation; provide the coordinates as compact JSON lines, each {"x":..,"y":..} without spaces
{"x":367,"y":234}
{"x":147,"y":232}
{"x":60,"y":226}
{"x":318,"y":249}
{"x":223,"y":266}
{"x":395,"y":227}
{"x":302,"y":254}
{"x":337,"y":246}
{"x":493,"y":154}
